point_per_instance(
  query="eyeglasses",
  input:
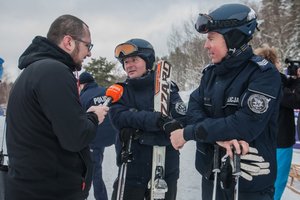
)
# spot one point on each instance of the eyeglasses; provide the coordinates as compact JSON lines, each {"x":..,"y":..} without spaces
{"x":206,"y":23}
{"x":87,"y":44}
{"x":125,"y":49}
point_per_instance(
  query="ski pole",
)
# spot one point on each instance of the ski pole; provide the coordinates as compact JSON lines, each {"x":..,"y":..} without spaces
{"x":216,"y":169}
{"x":237,"y":173}
{"x":122,"y":176}
{"x":121,"y":182}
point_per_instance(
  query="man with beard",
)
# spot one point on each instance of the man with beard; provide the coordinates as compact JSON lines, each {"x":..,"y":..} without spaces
{"x":48,"y":131}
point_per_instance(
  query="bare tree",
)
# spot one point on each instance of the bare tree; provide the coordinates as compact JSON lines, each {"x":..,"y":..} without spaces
{"x":4,"y":92}
{"x":279,"y":24}
{"x":187,"y":55}
{"x":294,"y":42}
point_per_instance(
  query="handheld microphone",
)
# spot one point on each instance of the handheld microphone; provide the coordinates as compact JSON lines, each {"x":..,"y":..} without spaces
{"x":113,"y":93}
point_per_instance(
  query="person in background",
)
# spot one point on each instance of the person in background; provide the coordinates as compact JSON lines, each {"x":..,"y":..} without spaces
{"x":286,"y":121}
{"x":236,"y":105}
{"x":134,"y":115}
{"x":48,"y":131}
{"x":92,"y":95}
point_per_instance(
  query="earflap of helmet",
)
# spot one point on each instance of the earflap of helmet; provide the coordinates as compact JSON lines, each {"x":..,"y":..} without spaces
{"x":235,"y":39}
{"x":148,"y":56}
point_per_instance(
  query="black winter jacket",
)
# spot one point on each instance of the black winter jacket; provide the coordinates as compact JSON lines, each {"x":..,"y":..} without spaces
{"x":290,"y":101}
{"x":237,"y":99}
{"x":48,"y":131}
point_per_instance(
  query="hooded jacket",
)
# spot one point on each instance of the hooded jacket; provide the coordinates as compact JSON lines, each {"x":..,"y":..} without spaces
{"x":48,"y":131}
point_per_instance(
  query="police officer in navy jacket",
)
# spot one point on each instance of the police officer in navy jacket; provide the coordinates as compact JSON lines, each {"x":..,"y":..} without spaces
{"x":236,"y":105}
{"x":135,"y":112}
{"x":92,"y":94}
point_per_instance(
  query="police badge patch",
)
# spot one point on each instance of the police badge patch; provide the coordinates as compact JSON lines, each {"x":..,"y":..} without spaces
{"x":258,"y":103}
{"x":180,"y":107}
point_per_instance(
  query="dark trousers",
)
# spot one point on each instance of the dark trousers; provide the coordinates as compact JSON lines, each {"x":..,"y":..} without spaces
{"x":207,"y":191}
{"x":136,"y":193}
{"x":100,"y":192}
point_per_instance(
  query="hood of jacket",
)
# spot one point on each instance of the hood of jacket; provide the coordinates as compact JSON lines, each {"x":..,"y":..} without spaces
{"x":41,"y":48}
{"x":88,"y":86}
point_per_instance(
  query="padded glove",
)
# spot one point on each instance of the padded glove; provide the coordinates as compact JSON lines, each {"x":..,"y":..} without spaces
{"x":168,"y":124}
{"x":253,"y":165}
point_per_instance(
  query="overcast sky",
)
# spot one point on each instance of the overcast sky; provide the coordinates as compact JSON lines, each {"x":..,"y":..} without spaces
{"x":111,"y":22}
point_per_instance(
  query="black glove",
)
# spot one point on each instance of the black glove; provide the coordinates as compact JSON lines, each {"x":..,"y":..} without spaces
{"x":226,"y":172}
{"x":125,"y":134}
{"x":168,"y":124}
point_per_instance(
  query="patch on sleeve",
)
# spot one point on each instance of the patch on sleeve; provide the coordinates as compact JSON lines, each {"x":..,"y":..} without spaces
{"x":180,"y":108}
{"x":258,"y":103}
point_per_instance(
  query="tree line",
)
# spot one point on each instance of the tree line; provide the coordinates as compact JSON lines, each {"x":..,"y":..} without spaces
{"x":279,"y":25}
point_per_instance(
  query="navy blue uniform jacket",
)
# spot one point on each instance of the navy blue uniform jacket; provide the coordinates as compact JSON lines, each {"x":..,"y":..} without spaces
{"x":136,"y":110}
{"x":92,"y":95}
{"x":237,"y":99}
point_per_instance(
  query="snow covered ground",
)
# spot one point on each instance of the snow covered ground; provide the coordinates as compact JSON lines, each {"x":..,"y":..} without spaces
{"x":189,"y":187}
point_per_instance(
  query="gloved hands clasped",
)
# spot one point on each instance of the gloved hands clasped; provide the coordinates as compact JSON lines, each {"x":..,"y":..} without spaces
{"x":251,"y":164}
{"x":168,"y":124}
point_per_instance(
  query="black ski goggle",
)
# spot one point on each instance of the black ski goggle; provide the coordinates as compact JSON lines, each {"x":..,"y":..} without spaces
{"x":125,"y":49}
{"x":206,"y":23}
{"x":203,"y":23}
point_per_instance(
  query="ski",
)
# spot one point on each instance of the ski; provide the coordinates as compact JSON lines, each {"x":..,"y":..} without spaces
{"x":161,"y":104}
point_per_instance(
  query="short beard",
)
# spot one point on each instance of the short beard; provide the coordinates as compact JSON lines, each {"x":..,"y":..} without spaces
{"x":74,"y":54}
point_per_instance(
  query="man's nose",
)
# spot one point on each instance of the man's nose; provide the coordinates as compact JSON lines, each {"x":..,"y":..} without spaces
{"x":89,"y":54}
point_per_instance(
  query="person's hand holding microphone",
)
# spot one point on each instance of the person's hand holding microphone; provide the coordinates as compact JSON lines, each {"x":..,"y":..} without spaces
{"x":113,"y":93}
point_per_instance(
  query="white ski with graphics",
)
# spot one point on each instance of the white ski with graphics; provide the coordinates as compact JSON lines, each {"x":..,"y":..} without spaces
{"x":161,"y":104}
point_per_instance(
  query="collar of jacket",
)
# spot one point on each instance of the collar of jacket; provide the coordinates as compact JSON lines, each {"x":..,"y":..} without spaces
{"x":233,"y":62}
{"x":41,"y":48}
{"x":142,"y":82}
{"x":88,"y":86}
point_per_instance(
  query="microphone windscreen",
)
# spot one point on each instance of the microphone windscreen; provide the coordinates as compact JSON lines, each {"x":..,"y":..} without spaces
{"x":114,"y":91}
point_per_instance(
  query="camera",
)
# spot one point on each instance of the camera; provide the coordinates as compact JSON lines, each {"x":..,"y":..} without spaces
{"x":292,"y":66}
